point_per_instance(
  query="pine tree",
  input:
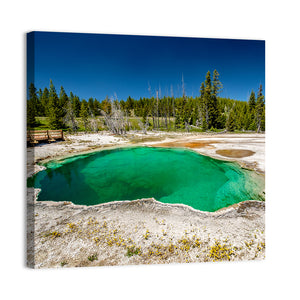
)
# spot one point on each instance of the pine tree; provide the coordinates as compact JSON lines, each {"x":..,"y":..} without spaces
{"x":208,"y":100}
{"x":230,"y":124}
{"x":263,"y":125}
{"x":32,"y":107}
{"x":55,"y":112}
{"x":31,"y":118}
{"x":252,"y":126}
{"x":208,"y":111}
{"x":216,"y":84}
{"x":106,"y":106}
{"x":40,"y":93}
{"x":40,"y":108}
{"x":252,"y":102}
{"x":84,"y":114}
{"x":247,"y":119}
{"x":250,"y":117}
{"x":76,"y":105}
{"x":215,"y":110}
{"x":202,"y":108}
{"x":97,"y":107}
{"x":145,"y":113}
{"x":260,"y":104}
{"x":45,"y":101}
{"x":129,"y":105}
{"x":63,"y":98}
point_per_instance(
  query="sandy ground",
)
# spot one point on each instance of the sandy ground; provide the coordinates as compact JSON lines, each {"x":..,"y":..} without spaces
{"x":145,"y":231}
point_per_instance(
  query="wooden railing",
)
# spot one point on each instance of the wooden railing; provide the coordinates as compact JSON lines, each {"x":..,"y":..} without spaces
{"x":36,"y":136}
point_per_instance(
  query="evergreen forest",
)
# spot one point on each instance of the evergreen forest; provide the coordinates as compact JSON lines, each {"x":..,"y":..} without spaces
{"x":49,"y":109}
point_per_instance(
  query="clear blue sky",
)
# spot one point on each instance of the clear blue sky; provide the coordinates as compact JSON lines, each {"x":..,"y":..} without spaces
{"x":100,"y":65}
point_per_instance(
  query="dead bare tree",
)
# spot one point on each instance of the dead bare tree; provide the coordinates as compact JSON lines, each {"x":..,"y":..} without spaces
{"x":115,"y":121}
{"x":152,"y":106}
{"x":173,"y":104}
{"x":187,"y":128}
{"x":169,"y":126}
{"x":166,"y":112}
{"x":93,"y":121}
{"x":144,"y":126}
{"x":94,"y":124}
{"x":70,"y":118}
{"x":183,"y":89}
{"x":157,"y":103}
{"x":153,"y":113}
{"x":149,"y":89}
{"x":165,"y":108}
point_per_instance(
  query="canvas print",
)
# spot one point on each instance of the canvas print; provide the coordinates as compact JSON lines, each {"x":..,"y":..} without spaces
{"x":144,"y":150}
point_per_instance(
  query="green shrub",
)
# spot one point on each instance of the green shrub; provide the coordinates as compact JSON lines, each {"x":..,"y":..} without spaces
{"x":133,"y":251}
{"x":93,"y":257}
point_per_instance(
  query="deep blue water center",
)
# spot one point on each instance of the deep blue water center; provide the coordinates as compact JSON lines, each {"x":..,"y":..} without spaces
{"x":168,"y":175}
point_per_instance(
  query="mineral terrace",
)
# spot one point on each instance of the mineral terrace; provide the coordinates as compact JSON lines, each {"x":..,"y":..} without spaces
{"x":145,"y":231}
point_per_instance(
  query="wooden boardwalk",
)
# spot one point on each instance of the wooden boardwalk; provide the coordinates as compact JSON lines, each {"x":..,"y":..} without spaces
{"x":36,"y":136}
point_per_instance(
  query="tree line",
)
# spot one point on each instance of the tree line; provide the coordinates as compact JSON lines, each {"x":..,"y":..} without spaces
{"x":208,"y":111}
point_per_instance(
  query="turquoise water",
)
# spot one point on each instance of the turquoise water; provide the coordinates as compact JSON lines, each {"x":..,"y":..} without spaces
{"x":168,"y":175}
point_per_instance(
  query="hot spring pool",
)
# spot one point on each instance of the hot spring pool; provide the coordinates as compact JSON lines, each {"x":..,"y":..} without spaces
{"x":168,"y":175}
